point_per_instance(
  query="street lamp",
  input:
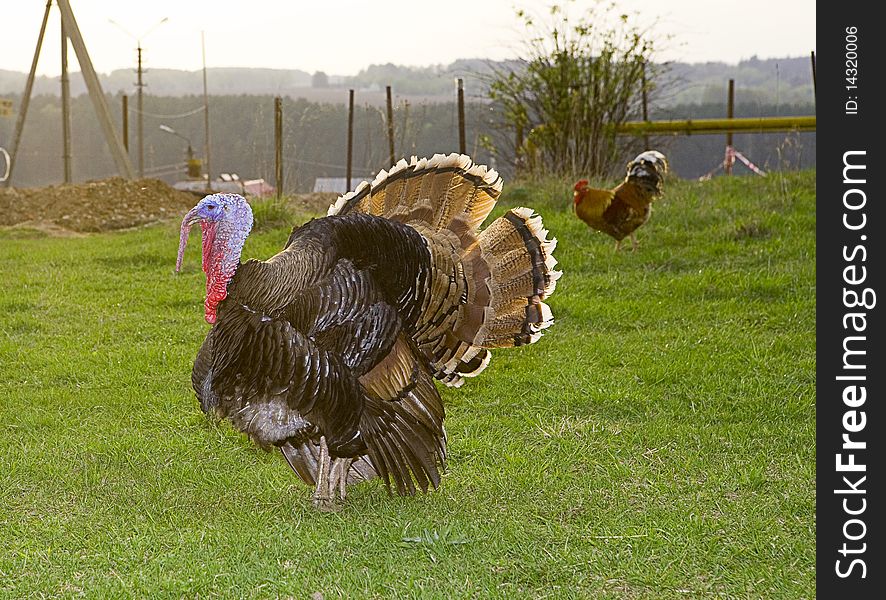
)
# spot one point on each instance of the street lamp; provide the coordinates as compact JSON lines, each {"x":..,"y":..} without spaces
{"x":169,"y":129}
{"x":194,"y":164}
{"x":140,"y":85}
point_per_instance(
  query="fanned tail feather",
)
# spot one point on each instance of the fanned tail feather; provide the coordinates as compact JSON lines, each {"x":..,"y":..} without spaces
{"x":486,"y":289}
{"x":522,"y":276}
{"x":452,"y":184}
{"x":510,"y":271}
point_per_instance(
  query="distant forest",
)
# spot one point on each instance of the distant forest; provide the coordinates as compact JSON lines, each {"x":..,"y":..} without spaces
{"x":315,"y":120}
{"x":764,"y":81}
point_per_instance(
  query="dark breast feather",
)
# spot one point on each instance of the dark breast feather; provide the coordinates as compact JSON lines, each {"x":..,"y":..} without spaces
{"x":316,"y":340}
{"x":275,"y":383}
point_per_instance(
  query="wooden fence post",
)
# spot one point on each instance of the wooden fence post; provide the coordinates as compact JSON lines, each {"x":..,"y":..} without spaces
{"x":126,"y":123}
{"x":461,"y":116}
{"x":518,"y":150}
{"x":814,"y":87}
{"x":278,"y":145}
{"x":350,"y":138}
{"x":645,"y":103}
{"x":730,"y":113}
{"x":390,"y":107}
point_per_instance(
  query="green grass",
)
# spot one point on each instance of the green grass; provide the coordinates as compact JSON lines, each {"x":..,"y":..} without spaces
{"x":657,"y":443}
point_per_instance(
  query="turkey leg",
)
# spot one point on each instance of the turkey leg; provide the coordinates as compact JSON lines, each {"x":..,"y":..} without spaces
{"x":323,"y":498}
{"x":339,"y":476}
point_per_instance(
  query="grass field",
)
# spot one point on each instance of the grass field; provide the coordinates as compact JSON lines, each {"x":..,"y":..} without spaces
{"x":657,"y":443}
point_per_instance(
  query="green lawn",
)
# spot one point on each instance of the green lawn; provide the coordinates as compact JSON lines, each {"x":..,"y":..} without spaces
{"x":657,"y":443}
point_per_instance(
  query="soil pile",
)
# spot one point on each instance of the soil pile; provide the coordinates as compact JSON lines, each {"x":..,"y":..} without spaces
{"x":112,"y":204}
{"x":103,"y":205}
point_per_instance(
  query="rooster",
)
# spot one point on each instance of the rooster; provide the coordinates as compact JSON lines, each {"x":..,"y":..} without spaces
{"x":620,"y":211}
{"x":328,"y":350}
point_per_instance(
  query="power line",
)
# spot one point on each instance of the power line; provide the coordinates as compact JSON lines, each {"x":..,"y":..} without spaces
{"x":178,"y":116}
{"x":177,"y":166}
{"x":318,"y":164}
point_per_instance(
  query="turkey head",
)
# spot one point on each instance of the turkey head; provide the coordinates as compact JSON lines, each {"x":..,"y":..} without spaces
{"x":225,"y":221}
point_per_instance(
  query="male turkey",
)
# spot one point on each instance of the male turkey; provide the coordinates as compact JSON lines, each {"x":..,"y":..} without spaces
{"x":328,"y":350}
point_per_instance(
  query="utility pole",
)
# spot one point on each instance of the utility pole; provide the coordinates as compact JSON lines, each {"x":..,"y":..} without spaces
{"x":26,"y":98}
{"x":206,"y":116}
{"x":66,"y":108}
{"x":140,"y":120}
{"x":71,"y":33}
{"x":99,"y":103}
{"x":140,"y":84}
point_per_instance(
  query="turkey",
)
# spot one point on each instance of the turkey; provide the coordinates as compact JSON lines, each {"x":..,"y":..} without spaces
{"x":329,"y":349}
{"x":619,"y":212}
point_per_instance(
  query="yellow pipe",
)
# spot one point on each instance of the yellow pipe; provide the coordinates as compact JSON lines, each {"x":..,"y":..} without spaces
{"x":701,"y":126}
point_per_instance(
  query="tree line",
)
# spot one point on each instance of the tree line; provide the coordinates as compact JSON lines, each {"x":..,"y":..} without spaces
{"x":315,"y":138}
{"x":554,"y":112}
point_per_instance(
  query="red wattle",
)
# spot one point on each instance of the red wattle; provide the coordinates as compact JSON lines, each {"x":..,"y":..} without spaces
{"x":216,"y":278}
{"x":216,"y":291}
{"x":221,"y":257}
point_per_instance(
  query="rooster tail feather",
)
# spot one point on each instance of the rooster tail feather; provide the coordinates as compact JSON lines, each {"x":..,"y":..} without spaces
{"x":648,"y":171}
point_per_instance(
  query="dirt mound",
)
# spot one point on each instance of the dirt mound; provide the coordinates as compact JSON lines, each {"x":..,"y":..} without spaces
{"x":317,"y":202}
{"x":111,"y":204}
{"x":103,"y":205}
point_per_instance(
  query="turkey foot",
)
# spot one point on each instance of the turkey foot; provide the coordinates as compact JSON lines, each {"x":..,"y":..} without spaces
{"x":324,"y":499}
{"x":338,"y":477}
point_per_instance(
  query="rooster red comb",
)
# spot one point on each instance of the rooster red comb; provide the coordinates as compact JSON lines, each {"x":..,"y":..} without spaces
{"x":580,"y":185}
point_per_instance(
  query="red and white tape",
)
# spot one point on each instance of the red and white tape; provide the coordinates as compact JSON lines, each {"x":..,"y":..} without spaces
{"x":729,"y":160}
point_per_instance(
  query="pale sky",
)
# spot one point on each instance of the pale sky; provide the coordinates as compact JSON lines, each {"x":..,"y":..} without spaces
{"x":341,"y":37}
